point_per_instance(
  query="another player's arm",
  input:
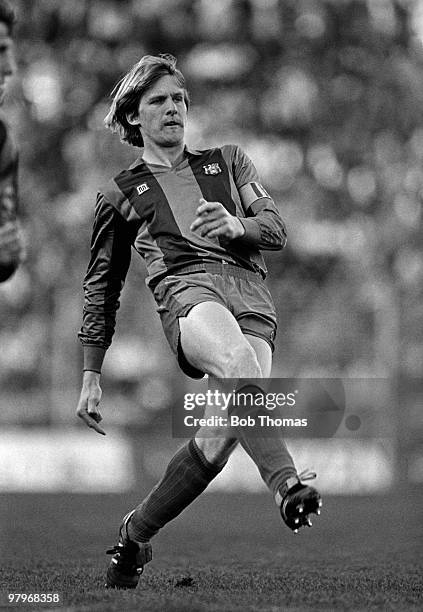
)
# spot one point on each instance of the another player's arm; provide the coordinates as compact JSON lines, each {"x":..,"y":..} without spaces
{"x":11,"y":240}
{"x":11,"y":249}
{"x":103,"y":284}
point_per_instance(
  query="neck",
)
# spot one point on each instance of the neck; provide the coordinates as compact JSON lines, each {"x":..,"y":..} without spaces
{"x":164,"y":156}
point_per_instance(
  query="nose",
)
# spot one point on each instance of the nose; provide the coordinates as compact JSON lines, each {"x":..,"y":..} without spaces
{"x":171,"y":109}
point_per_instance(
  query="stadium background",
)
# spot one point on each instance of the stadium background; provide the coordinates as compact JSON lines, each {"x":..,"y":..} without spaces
{"x":327,"y":99}
{"x":326,"y":96}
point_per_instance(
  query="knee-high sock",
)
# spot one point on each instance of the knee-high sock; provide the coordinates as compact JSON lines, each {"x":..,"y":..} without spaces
{"x":269,"y":453}
{"x":271,"y":457}
{"x":185,"y":478}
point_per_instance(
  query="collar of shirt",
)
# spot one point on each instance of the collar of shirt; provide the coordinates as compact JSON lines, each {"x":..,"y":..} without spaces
{"x":187,"y":151}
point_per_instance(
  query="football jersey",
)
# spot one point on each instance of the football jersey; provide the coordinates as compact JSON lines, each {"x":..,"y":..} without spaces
{"x":150,"y":208}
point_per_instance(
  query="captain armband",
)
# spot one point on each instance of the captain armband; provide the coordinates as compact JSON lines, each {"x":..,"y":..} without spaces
{"x":251,"y":192}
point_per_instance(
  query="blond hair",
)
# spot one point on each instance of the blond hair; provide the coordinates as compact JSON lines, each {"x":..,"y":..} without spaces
{"x":129,"y":90}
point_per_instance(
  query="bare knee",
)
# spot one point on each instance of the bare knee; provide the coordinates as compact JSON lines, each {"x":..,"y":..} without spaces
{"x":215,"y":449}
{"x":239,"y":361}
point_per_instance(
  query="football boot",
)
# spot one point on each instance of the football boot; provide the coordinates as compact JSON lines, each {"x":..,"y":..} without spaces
{"x":298,"y":500}
{"x":128,"y":560}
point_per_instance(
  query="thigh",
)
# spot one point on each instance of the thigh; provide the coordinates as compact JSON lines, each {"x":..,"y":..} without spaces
{"x":255,"y":313}
{"x":176,"y":296}
{"x":207,"y":333}
{"x":263,"y":353}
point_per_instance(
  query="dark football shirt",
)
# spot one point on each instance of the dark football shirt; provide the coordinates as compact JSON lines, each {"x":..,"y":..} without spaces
{"x":150,"y":208}
{"x":8,"y":187}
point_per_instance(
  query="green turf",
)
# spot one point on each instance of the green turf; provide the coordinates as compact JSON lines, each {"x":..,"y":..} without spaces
{"x":227,"y":552}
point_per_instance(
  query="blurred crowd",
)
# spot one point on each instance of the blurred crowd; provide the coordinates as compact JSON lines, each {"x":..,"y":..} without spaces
{"x":326,"y":97}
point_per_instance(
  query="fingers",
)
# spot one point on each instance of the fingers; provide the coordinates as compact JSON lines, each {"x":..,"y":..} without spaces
{"x":89,"y":413}
{"x":207,"y":207}
{"x":93,"y":425}
{"x":210,"y":208}
{"x":206,"y":212}
{"x":213,"y":226}
{"x":91,"y":421}
{"x":218,"y":232}
{"x":195,"y":225}
{"x":92,"y":409}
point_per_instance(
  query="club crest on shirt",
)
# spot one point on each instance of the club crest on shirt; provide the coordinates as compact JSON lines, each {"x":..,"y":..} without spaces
{"x":142,"y":188}
{"x":212,"y":169}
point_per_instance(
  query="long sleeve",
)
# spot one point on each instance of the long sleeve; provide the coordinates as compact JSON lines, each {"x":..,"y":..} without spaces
{"x":264,"y":227}
{"x":9,"y":200}
{"x":104,"y":281}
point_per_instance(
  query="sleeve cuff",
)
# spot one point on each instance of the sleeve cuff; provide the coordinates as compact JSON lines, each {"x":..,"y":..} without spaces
{"x":93,"y":357}
{"x":252,"y":231}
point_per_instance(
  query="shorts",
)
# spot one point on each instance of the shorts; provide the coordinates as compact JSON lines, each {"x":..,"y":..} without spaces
{"x":241,"y":291}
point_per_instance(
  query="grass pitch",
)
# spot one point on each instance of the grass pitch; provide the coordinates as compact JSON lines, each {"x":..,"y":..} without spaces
{"x":225,"y":553}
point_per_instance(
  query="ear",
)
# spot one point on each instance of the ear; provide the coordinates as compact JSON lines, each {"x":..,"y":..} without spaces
{"x":133,"y":118}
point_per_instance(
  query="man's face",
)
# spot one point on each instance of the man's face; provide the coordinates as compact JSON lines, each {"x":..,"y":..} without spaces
{"x":162,"y":113}
{"x":7,"y":59}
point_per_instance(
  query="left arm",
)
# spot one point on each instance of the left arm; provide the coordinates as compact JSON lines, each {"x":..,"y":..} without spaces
{"x":262,"y":227}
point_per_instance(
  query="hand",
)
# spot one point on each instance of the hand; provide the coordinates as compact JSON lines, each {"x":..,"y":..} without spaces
{"x":10,"y":244}
{"x":89,"y":400}
{"x":213,"y":220}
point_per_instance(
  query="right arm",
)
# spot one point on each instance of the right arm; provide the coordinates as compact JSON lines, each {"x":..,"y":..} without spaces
{"x":103,"y":284}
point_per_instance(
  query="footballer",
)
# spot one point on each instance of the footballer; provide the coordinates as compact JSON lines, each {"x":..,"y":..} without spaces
{"x":199,"y":219}
{"x":10,"y":237}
